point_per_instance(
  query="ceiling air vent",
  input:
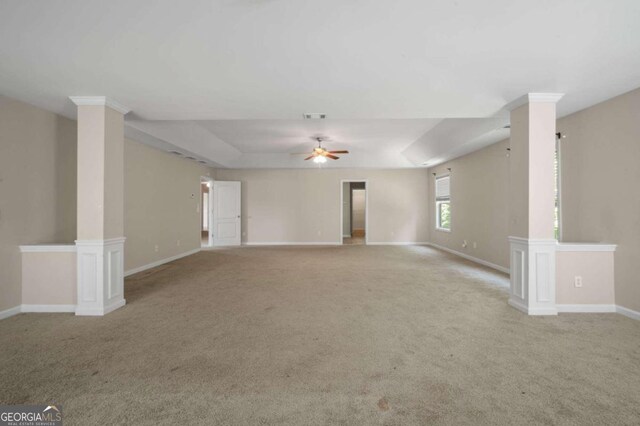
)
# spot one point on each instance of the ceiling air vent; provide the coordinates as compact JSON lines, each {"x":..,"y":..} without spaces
{"x":314,"y":116}
{"x":176,"y":153}
{"x":189,"y":158}
{"x":202,"y":162}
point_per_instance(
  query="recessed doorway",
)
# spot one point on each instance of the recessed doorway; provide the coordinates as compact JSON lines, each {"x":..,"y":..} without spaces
{"x":354,"y":212}
{"x":206,"y":234}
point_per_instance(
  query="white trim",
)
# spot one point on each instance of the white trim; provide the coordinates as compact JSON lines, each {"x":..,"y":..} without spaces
{"x":110,"y":241}
{"x":48,"y":248}
{"x":533,"y":275}
{"x":99,"y":101}
{"x":100,"y":278}
{"x":160,"y":262}
{"x":346,"y":235}
{"x":585,"y":247}
{"x":99,"y":311}
{"x":10,"y":312}
{"x":628,"y":312}
{"x":593,"y":308}
{"x":533,"y":310}
{"x":366,"y":207}
{"x":533,"y":97}
{"x":291,"y":243}
{"x":48,"y":308}
{"x":471,"y":258}
{"x":398,"y":243}
{"x":533,"y":241}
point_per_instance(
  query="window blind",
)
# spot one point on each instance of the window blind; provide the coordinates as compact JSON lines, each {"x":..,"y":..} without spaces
{"x":442,"y":188}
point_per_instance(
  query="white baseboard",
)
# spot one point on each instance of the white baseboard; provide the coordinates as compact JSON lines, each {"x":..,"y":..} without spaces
{"x":10,"y":312}
{"x":628,"y":312}
{"x":88,"y":311}
{"x":533,"y":310}
{"x":396,"y":243}
{"x":593,"y":308}
{"x":36,"y":308}
{"x":471,"y":258}
{"x":279,"y":243}
{"x":160,"y":262}
{"x":48,"y":308}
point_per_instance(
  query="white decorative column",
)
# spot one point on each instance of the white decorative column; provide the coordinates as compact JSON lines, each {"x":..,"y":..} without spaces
{"x":531,"y":204}
{"x":100,"y":243}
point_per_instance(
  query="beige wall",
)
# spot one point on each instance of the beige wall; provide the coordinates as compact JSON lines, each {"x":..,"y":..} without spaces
{"x":479,"y":204}
{"x":346,"y":209}
{"x":596,"y":269}
{"x":37,"y":187}
{"x":49,"y":278}
{"x":304,"y":205}
{"x":161,"y":204}
{"x":600,"y":178}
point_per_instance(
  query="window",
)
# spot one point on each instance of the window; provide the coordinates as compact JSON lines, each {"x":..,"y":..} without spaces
{"x":443,"y":203}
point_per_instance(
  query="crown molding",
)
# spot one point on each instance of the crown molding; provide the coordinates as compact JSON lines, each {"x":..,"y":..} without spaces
{"x":534,"y":97}
{"x":99,"y":101}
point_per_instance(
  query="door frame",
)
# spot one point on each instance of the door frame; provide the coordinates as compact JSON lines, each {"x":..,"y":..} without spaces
{"x":209,"y":181}
{"x":366,"y":207}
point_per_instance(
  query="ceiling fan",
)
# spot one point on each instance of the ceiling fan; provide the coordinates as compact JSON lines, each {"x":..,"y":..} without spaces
{"x":320,"y":154}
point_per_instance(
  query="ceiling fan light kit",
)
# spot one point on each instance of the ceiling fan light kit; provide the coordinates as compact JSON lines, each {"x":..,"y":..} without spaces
{"x":320,"y":155}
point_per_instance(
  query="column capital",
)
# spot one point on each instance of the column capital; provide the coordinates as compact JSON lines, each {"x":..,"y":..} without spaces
{"x":100,"y":101}
{"x":533,"y":97}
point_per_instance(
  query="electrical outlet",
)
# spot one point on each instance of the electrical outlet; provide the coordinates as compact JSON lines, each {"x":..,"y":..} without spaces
{"x":319,"y":233}
{"x":156,"y":248}
{"x":577,"y":281}
{"x":178,"y":243}
{"x":464,"y":244}
{"x":475,"y":245}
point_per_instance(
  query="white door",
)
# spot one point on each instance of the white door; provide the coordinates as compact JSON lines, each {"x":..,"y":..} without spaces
{"x":226,"y":213}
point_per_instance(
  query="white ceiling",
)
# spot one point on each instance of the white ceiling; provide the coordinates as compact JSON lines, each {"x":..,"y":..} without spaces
{"x":195,"y":65}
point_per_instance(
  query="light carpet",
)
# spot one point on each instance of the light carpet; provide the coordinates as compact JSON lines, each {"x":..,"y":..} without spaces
{"x":356,"y":335}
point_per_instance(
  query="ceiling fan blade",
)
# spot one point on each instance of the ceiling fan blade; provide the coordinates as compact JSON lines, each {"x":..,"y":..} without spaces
{"x":299,"y":153}
{"x":309,"y":157}
{"x":338,"y":152}
{"x":333,"y":157}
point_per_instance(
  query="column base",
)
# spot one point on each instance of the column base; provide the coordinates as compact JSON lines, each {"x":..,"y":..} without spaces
{"x":533,"y":275}
{"x":85,"y":311}
{"x":100,"y":276}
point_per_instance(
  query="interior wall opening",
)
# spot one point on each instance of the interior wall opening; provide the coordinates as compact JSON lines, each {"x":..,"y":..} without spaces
{"x":205,"y":212}
{"x":354,"y":212}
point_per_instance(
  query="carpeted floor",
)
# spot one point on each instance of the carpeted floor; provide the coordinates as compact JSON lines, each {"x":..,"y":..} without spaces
{"x":358,"y":335}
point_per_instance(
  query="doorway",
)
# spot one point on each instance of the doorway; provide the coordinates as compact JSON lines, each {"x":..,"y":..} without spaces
{"x":206,"y":230}
{"x":354,"y":212}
